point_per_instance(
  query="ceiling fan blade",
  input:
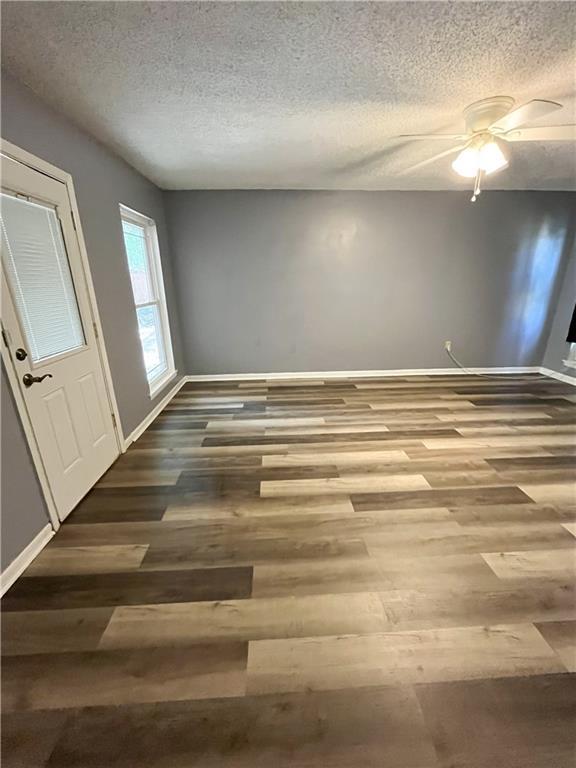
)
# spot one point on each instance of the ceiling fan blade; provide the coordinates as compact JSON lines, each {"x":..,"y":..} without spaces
{"x":433,"y":136}
{"x":532,"y":110}
{"x":433,"y":159}
{"x":545,"y":133}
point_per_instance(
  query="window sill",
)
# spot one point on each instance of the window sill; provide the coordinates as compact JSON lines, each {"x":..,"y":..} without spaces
{"x":158,"y":384}
{"x":569,"y":363}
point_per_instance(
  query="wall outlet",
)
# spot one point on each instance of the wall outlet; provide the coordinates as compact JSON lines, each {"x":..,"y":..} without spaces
{"x":448,"y":346}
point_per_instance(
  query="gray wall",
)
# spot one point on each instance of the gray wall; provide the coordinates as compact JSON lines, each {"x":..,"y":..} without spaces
{"x":23,"y":509}
{"x":557,"y":346}
{"x":101,"y":181}
{"x":296,"y":281}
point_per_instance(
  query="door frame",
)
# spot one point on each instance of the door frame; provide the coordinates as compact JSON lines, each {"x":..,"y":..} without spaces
{"x":37,"y":164}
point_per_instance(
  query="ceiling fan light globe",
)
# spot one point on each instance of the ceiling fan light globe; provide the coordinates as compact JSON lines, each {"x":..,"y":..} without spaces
{"x":467,"y":163}
{"x":493,"y":156}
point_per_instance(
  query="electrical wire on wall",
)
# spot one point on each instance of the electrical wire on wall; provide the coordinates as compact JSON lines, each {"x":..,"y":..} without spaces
{"x":467,"y":370}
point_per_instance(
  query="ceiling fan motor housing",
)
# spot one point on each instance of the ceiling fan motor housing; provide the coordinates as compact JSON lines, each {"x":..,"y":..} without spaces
{"x":481,"y":114}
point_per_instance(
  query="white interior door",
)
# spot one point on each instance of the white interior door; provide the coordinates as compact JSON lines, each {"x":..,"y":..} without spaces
{"x":48,"y":326}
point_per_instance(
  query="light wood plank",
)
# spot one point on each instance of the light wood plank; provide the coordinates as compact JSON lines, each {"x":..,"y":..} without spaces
{"x":552,"y":493}
{"x":229,"y":424}
{"x":98,"y":559}
{"x":349,"y":661}
{"x":348,"y":484}
{"x":336,"y":458}
{"x":183,"y":623}
{"x":533,"y":564}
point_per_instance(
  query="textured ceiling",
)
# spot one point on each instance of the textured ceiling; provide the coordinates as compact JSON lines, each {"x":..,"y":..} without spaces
{"x":288,"y":94}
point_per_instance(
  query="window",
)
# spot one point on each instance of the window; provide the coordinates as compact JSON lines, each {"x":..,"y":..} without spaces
{"x":39,"y":277}
{"x":142,"y":252}
{"x":570,"y":361}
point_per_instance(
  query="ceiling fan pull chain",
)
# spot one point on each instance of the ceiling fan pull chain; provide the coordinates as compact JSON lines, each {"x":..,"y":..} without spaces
{"x":477,"y":189}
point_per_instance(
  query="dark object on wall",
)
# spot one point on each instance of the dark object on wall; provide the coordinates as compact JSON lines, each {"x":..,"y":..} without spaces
{"x":572,"y":330}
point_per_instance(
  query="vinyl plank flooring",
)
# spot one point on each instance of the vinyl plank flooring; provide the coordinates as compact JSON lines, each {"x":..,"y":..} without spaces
{"x":554,"y":493}
{"x":116,"y":478}
{"x":139,"y":514}
{"x":493,"y":415}
{"x":28,"y":738}
{"x":522,"y":722}
{"x":444,"y":538}
{"x":350,"y":484}
{"x":339,"y":459}
{"x":533,"y":564}
{"x":73,"y":560}
{"x":422,"y":466}
{"x":183,"y":556}
{"x":307,"y":421}
{"x":324,"y":663}
{"x":314,"y":523}
{"x":351,"y":436}
{"x":121,"y":677}
{"x":407,"y":571}
{"x":29,"y":632}
{"x":561,"y":636}
{"x":185,"y":623}
{"x":233,"y":508}
{"x":496,"y":514}
{"x":331,"y":576}
{"x":305,"y":573}
{"x":370,"y":727}
{"x":111,"y":589}
{"x":515,"y":440}
{"x":533,"y":462}
{"x":440,"y":498}
{"x":425,"y":608}
{"x":330,"y":429}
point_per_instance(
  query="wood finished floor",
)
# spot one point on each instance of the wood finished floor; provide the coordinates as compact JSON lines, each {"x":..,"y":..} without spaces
{"x":367,"y":573}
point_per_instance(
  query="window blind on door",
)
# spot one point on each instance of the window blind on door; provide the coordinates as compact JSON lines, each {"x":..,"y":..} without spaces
{"x":38,"y":274}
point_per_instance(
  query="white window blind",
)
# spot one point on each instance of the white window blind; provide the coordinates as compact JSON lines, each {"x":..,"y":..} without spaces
{"x":38,"y":274}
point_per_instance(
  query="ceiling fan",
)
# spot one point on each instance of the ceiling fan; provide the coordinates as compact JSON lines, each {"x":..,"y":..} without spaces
{"x":491,"y":125}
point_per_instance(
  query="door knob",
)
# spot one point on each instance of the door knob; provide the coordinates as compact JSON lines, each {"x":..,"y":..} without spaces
{"x":21,"y":354}
{"x":28,"y":379}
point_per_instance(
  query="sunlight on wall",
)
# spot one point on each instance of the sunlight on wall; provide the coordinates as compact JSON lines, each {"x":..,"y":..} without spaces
{"x":531,"y":289}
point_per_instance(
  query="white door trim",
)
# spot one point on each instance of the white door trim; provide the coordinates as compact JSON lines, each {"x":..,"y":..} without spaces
{"x":37,"y":164}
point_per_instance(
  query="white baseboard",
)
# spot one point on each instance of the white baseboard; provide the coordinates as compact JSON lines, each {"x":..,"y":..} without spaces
{"x":19,"y":565}
{"x":143,"y":426}
{"x":560,"y":376}
{"x":358,"y":374}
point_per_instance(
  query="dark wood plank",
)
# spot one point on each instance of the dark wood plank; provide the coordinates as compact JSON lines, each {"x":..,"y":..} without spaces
{"x":230,"y":551}
{"x":351,"y":436}
{"x":372,"y":727}
{"x":28,"y":738}
{"x":132,"y":588}
{"x":534,"y":462}
{"x":59,"y":681}
{"x":25,"y":632}
{"x":513,"y":723}
{"x":453,"y":497}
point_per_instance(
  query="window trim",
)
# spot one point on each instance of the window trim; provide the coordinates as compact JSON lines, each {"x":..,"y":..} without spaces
{"x":155,"y":266}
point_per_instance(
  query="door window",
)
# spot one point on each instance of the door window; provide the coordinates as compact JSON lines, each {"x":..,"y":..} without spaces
{"x":38,"y":274}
